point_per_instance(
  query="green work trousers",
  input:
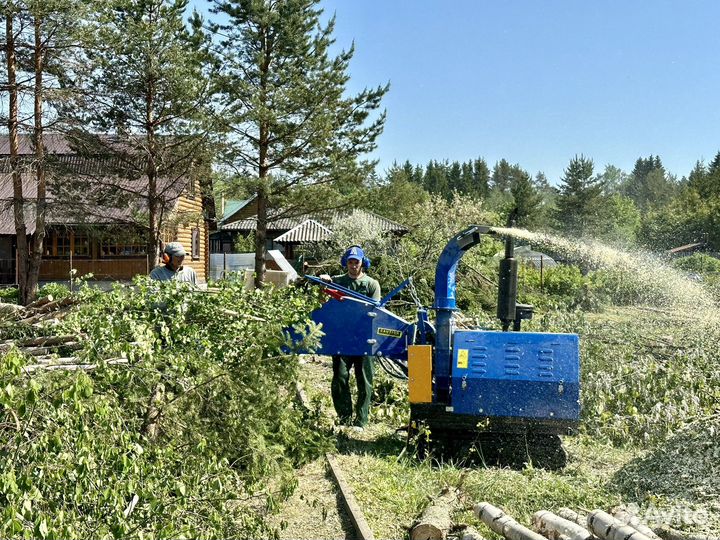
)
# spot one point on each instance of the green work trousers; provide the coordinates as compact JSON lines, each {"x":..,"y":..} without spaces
{"x":340,"y":387}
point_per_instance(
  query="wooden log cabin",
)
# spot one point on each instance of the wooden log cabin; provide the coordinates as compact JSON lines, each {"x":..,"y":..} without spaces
{"x":96,"y":223}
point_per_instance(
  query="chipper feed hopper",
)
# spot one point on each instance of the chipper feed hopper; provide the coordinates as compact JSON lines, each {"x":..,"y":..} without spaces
{"x":508,"y":394}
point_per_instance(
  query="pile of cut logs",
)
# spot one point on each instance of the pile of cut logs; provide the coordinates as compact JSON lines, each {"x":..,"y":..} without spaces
{"x":42,"y":315}
{"x":436,"y":524}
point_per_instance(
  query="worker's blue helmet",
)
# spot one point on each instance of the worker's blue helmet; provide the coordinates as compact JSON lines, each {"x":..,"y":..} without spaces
{"x":355,"y":252}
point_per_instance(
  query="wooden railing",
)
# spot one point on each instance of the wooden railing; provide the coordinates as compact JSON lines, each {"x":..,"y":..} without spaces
{"x":111,"y":269}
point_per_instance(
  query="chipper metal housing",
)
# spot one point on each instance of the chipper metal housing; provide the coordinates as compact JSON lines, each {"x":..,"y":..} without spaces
{"x":508,"y":393}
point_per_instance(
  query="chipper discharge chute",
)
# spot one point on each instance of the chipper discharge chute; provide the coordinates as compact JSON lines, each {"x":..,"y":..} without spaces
{"x":509,"y":394}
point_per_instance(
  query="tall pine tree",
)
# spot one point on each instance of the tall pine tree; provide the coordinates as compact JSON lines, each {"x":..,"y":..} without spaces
{"x":579,"y":203}
{"x":147,"y":86}
{"x":291,"y":125}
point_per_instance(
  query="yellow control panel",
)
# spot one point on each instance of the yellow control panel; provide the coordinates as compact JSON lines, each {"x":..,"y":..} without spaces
{"x":420,"y":373}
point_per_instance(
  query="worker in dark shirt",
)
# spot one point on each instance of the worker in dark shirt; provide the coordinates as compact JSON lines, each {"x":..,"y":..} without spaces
{"x":355,"y":279}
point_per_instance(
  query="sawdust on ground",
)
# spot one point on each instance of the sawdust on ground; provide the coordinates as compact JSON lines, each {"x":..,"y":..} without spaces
{"x":315,"y":510}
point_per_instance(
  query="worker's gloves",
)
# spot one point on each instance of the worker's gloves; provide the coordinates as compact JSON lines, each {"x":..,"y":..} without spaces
{"x":325,"y":277}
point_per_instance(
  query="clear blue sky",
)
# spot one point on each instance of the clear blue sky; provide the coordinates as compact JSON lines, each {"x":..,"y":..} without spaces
{"x":537,"y":82}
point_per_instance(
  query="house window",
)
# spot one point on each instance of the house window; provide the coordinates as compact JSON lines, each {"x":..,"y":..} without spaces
{"x":114,"y":248}
{"x":62,"y":248}
{"x":80,"y":244}
{"x":60,"y":242}
{"x":195,"y":248}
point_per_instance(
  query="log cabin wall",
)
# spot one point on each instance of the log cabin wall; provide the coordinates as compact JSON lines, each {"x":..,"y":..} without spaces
{"x":190,"y":230}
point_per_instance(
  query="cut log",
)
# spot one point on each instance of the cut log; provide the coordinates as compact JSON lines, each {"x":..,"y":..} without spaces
{"x":555,"y":528}
{"x":39,"y":302}
{"x":469,"y":533}
{"x":44,"y":341}
{"x":572,"y":515}
{"x":503,"y":524}
{"x":628,"y":518}
{"x":435,"y":521}
{"x":607,"y":527}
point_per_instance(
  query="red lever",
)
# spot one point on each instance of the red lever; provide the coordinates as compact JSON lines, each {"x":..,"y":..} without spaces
{"x":337,"y":295}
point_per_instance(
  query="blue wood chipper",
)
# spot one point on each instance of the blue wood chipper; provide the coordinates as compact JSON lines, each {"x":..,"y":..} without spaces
{"x":508,"y":394}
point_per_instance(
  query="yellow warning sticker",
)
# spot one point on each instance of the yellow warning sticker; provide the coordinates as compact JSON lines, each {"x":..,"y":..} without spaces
{"x":389,"y":332}
{"x":462,"y":358}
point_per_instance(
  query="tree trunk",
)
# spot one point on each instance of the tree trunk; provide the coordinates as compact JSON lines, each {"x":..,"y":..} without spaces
{"x":555,"y":527}
{"x":572,"y":515}
{"x":151,"y":171}
{"x":260,"y":236}
{"x":35,"y":255}
{"x":503,"y":524}
{"x":622,"y":514}
{"x":435,"y":521}
{"x":607,"y":527}
{"x":18,"y":199}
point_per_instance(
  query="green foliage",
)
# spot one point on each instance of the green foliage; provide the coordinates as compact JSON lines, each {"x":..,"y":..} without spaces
{"x":292,"y":129}
{"x":565,"y":282}
{"x":649,"y":185}
{"x":9,"y":295}
{"x":57,"y":291}
{"x":526,"y":199}
{"x":146,"y":80}
{"x":644,"y":374}
{"x":245,"y":244}
{"x":698,"y":262}
{"x":79,"y":450}
{"x":397,"y":194}
{"x":580,"y":198}
{"x":619,"y":221}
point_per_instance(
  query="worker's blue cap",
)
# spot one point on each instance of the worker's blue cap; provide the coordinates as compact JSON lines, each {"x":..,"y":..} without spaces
{"x":354,"y":252}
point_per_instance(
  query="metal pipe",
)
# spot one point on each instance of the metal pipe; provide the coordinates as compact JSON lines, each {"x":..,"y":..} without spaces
{"x":445,"y":304}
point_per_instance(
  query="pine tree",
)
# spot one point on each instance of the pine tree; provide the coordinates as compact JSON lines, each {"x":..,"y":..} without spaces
{"x":526,"y":199}
{"x":648,"y":184}
{"x":38,"y":42}
{"x":146,"y":90}
{"x":290,"y":124}
{"x":579,"y":202}
{"x":454,"y":176}
{"x":502,"y":176}
{"x":436,"y":180}
{"x":711,"y":185}
{"x":481,"y":178}
{"x":466,"y":179}
{"x":699,"y":180}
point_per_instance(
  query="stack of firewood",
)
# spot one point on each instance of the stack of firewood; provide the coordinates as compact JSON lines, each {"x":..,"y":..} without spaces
{"x":47,"y":352}
{"x":436,"y":524}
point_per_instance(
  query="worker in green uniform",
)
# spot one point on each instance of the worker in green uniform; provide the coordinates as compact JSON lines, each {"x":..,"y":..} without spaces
{"x":355,"y":279}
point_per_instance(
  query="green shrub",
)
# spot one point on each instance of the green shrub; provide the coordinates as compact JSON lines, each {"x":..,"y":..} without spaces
{"x":58,"y":291}
{"x":79,"y":450}
{"x":9,"y":295}
{"x":698,"y":262}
